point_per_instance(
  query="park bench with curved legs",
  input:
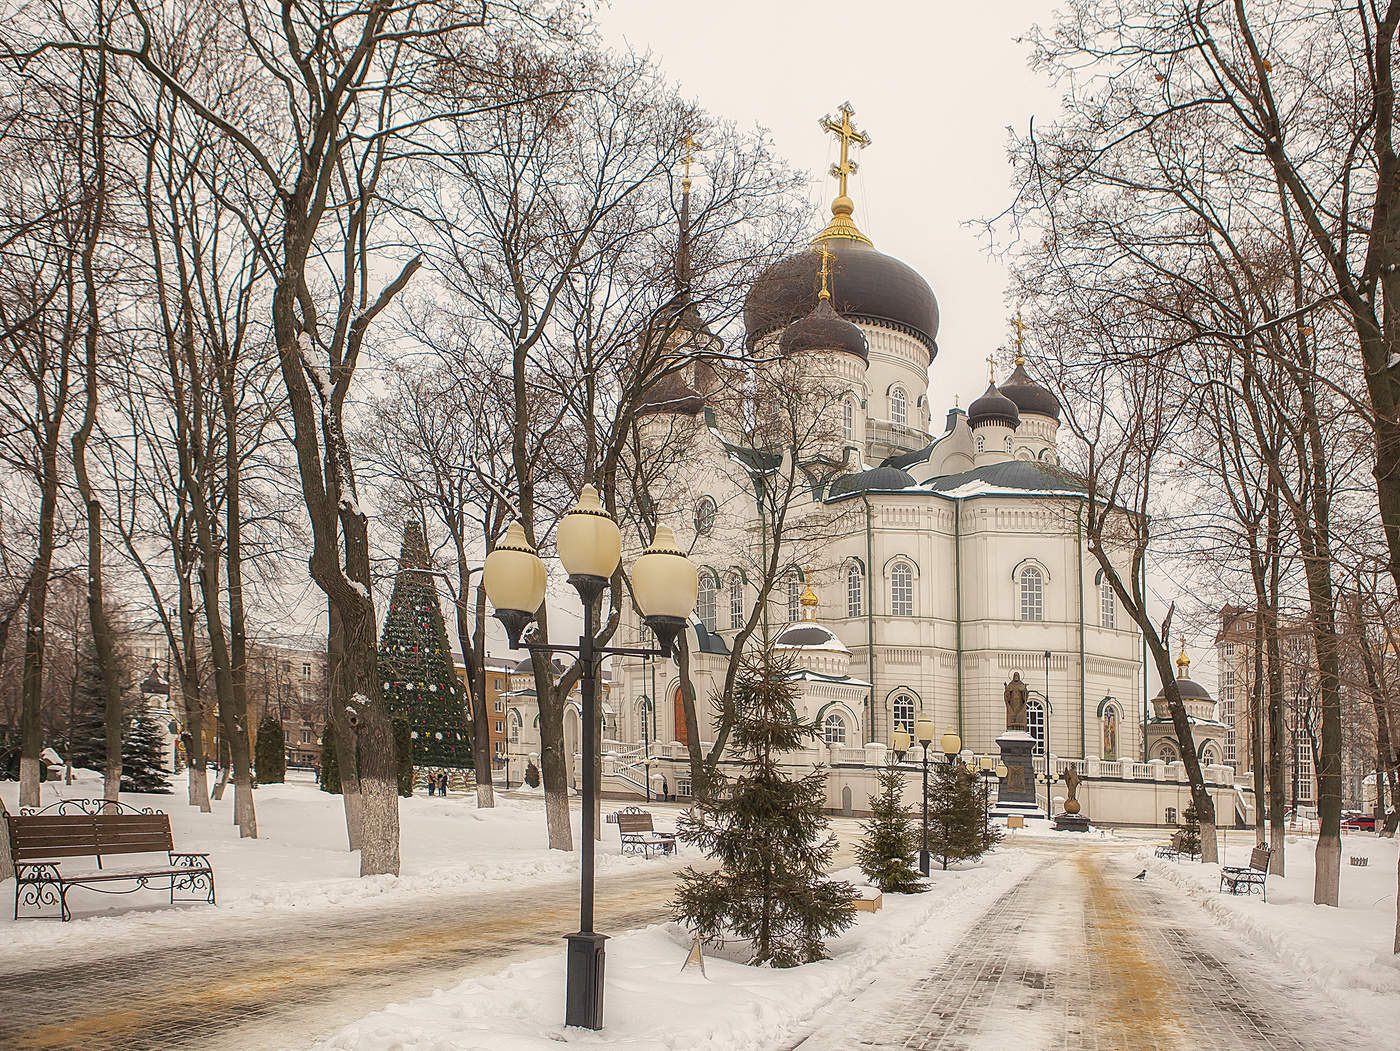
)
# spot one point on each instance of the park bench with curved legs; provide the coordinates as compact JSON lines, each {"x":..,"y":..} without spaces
{"x":43,"y":842}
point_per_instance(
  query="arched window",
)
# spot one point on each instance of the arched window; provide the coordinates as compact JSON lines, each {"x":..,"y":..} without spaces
{"x":1032,"y":594}
{"x":1166,"y":752}
{"x":848,"y":418}
{"x":706,"y":602}
{"x":904,"y":712}
{"x":1035,"y":724}
{"x":855,"y":592}
{"x":834,"y":729}
{"x":794,"y":588}
{"x":1110,"y":733}
{"x":901,"y":590}
{"x":1209,"y":757}
{"x":705,"y":512}
{"x":514,"y":720}
{"x":1108,"y":607}
{"x":899,"y":405}
{"x":736,"y":601}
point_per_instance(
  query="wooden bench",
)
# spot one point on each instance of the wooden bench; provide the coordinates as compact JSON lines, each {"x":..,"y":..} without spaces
{"x":638,"y":836}
{"x":98,"y":829}
{"x":1233,"y":878}
{"x":1174,"y":848}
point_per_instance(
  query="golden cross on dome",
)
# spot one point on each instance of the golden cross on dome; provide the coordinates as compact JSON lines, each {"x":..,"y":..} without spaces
{"x":847,"y":133}
{"x":825,"y":271}
{"x":1020,"y":327}
{"x":689,"y":146}
{"x":991,"y":369}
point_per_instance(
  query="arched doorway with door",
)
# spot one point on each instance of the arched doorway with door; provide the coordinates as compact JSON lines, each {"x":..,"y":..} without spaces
{"x":682,"y":732}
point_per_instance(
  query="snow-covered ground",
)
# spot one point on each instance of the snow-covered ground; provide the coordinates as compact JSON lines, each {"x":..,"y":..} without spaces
{"x":300,"y":861}
{"x":653,"y":1004}
{"x":1346,"y":950}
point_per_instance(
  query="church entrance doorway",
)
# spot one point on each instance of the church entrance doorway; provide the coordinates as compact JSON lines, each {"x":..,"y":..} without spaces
{"x":682,"y":734}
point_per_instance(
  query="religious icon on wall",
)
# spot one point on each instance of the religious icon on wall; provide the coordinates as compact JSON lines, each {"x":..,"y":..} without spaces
{"x":1110,"y":734}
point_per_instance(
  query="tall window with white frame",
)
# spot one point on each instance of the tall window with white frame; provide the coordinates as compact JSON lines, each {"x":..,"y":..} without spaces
{"x":848,"y":418}
{"x":794,"y":597}
{"x":1227,"y":699}
{"x":1108,"y":606}
{"x":707,"y":602}
{"x":904,"y":712}
{"x":901,"y":590}
{"x":899,"y":405}
{"x":1032,"y":594}
{"x":1035,"y":724}
{"x":736,"y":601}
{"x":834,"y":729}
{"x":855,"y":592}
{"x":1303,"y":765}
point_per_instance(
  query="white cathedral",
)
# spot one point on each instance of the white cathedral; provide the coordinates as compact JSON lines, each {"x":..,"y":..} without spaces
{"x":964,"y":561}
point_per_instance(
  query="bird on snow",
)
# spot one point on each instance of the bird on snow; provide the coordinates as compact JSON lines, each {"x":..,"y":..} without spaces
{"x":1141,"y":875}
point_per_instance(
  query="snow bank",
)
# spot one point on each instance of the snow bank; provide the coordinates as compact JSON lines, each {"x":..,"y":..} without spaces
{"x":651,"y":1004}
{"x":1346,"y":950}
{"x":300,"y":860}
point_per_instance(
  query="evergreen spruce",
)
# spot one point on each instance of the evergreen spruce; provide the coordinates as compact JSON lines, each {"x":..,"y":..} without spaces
{"x":271,"y":752}
{"x":87,"y":736}
{"x":1190,"y":831}
{"x":532,"y":774}
{"x":330,"y":768}
{"x":955,"y":821}
{"x":420,"y":683}
{"x":887,"y":855}
{"x":768,"y":833}
{"x":143,"y":755}
{"x":403,"y":756}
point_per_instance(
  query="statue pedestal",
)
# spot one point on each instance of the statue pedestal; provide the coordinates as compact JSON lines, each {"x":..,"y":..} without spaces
{"x":1016,"y":793}
{"x":1071,"y":823}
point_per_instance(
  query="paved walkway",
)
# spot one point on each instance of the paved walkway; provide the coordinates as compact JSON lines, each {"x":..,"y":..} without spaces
{"x":1081,"y":956}
{"x":290,"y":979}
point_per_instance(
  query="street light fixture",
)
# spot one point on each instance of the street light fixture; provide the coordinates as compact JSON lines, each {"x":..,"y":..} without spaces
{"x":924,"y":731}
{"x":665,"y":585}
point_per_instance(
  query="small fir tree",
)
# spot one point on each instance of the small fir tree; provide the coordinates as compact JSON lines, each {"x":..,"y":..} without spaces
{"x":143,"y":755}
{"x":532,"y":774}
{"x":768,"y":833}
{"x":403,"y":755}
{"x":1190,"y":830}
{"x":887,"y":853}
{"x":271,"y":752}
{"x":420,"y":682}
{"x":330,"y":768}
{"x":87,"y":736}
{"x":955,"y":820}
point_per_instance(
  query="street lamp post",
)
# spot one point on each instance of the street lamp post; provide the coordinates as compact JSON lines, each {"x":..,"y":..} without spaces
{"x":664,"y":585}
{"x":1049,"y":773}
{"x":923,"y":730}
{"x":646,"y":746}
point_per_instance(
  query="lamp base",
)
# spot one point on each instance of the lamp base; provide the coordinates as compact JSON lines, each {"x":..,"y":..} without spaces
{"x":667,"y":630}
{"x":583,"y":990}
{"x":588,"y":586}
{"x":923,"y":862}
{"x":515,"y":622}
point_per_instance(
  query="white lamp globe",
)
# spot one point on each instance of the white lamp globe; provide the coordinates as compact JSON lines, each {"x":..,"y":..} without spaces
{"x":951,"y":744}
{"x":924,"y":730}
{"x":589,"y":542}
{"x":664,"y":581}
{"x":513,"y":575}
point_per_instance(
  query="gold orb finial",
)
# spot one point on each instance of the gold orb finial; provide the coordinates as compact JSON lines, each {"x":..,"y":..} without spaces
{"x":809,"y":598}
{"x":1183,"y":662}
{"x":991,"y":369}
{"x":1020,"y":327}
{"x":842,"y":207}
{"x":825,"y":271}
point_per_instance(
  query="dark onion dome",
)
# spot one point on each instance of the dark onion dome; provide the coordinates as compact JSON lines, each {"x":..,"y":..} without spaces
{"x":1190,"y":690}
{"x":808,"y":635}
{"x":870,"y":287}
{"x":670,"y":394}
{"x":1030,"y":397}
{"x":872,"y":480}
{"x":824,"y":329}
{"x":993,"y":407}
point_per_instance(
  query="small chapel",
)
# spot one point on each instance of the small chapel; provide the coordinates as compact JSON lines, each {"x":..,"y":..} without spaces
{"x":955,"y":556}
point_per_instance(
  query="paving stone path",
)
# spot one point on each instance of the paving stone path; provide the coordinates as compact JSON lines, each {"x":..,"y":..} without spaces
{"x":1080,"y":956}
{"x":289,"y":979}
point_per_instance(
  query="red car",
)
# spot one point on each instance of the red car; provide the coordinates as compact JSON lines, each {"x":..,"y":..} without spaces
{"x":1359,"y":822}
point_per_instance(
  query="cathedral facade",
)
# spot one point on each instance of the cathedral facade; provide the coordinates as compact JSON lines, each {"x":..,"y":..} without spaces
{"x":938,"y":552}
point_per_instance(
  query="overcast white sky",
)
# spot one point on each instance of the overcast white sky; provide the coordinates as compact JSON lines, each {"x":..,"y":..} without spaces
{"x":935,"y":84}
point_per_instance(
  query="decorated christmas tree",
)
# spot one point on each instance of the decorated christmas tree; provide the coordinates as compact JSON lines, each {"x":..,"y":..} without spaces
{"x":769,"y":834}
{"x":420,"y":683}
{"x":887,"y":853}
{"x":955,"y":820}
{"x":271,"y":751}
{"x":143,"y":755}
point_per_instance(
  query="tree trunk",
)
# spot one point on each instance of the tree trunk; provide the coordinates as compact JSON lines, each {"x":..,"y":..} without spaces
{"x":474,"y":656}
{"x":1276,"y":736}
{"x":698,"y":788}
{"x":347,"y":745}
{"x":553,"y":762}
{"x":193,"y":700}
{"x":245,"y":812}
{"x":31,"y":695}
{"x":7,"y":863}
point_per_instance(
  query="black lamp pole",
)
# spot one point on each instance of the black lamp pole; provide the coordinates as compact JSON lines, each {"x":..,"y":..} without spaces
{"x":1049,"y":774}
{"x":646,"y":748}
{"x":923,"y":854}
{"x":583,"y":997}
